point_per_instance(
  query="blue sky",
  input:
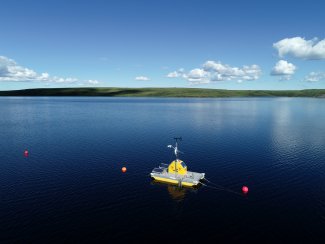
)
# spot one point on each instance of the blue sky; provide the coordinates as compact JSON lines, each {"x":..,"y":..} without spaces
{"x":210,"y":44}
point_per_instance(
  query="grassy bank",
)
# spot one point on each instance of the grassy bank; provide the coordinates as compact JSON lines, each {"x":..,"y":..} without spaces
{"x":162,"y":92}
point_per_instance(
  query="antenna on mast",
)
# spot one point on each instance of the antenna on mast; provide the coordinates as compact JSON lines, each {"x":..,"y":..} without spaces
{"x":176,"y":151}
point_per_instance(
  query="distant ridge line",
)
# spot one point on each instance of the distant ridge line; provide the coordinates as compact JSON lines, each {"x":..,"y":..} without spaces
{"x":162,"y":92}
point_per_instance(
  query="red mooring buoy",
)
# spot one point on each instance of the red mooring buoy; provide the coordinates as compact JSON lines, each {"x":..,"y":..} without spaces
{"x":124,"y":169}
{"x":244,"y":189}
{"x":26,"y":153}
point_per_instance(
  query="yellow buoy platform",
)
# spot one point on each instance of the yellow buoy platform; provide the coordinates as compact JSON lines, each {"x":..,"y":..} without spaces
{"x":176,"y":172}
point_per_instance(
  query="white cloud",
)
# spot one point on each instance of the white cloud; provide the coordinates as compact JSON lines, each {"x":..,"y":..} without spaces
{"x":176,"y":74}
{"x":212,"y":71}
{"x":300,"y":48}
{"x":315,"y":76}
{"x":283,"y":68}
{"x":198,"y":75}
{"x":94,"y":82}
{"x":173,"y":74}
{"x":11,"y":71}
{"x":142,"y":78}
{"x":226,"y":72}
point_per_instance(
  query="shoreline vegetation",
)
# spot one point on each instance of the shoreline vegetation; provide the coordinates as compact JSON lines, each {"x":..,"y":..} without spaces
{"x":163,"y":92}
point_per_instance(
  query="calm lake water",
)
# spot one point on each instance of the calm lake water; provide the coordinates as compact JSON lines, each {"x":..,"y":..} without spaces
{"x":71,"y":187}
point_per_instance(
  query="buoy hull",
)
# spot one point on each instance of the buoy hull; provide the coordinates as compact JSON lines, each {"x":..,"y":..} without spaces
{"x":244,"y":189}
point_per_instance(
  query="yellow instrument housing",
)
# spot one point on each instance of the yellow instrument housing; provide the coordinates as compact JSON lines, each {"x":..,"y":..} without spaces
{"x":177,"y":167}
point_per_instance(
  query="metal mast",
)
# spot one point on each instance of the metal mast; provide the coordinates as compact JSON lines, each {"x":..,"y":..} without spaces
{"x":176,"y":151}
{"x":176,"y":146}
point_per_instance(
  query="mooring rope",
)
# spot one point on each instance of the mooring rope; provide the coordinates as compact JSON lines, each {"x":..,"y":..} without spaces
{"x":219,"y":187}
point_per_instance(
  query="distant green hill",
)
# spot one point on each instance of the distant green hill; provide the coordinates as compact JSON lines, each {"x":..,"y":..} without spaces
{"x":162,"y":92}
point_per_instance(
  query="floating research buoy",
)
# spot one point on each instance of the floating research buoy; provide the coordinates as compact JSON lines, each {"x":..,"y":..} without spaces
{"x":244,"y":189}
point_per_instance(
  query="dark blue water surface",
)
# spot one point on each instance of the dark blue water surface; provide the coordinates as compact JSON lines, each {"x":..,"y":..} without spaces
{"x":71,"y":188}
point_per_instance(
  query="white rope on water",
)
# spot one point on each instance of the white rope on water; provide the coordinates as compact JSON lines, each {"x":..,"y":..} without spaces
{"x":219,"y":187}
